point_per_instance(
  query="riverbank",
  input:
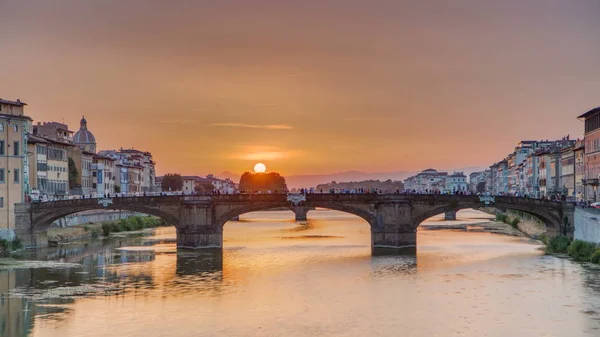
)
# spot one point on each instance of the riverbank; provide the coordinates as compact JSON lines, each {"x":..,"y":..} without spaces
{"x":525,"y":223}
{"x":131,"y":226}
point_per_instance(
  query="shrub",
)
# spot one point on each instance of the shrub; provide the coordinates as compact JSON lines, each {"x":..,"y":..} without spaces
{"x":116,"y":227}
{"x":86,"y":228}
{"x":558,"y":244}
{"x":95,"y":233}
{"x":581,"y":250}
{"x":543,"y":237}
{"x":501,"y":217}
{"x":595,"y":258}
{"x":6,"y":247}
{"x":515,"y":222}
{"x":106,"y":228}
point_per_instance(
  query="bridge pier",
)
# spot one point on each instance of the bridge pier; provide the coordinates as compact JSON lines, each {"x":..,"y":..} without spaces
{"x":200,"y":237}
{"x":301,"y":213}
{"x":450,"y":216}
{"x":390,"y":242}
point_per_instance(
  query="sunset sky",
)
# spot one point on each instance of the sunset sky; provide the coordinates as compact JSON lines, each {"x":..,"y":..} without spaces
{"x":306,"y":86}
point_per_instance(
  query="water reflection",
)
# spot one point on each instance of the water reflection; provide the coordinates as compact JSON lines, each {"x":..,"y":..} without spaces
{"x":278,"y":280}
{"x":209,"y":261}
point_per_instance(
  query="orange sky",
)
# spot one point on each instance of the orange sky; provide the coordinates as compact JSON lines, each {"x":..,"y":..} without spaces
{"x":306,"y":86}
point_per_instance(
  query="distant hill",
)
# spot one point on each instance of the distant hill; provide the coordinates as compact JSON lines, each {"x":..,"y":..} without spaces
{"x":312,"y":180}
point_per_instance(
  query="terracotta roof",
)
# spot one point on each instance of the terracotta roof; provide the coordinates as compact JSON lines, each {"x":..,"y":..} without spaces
{"x":99,"y":156}
{"x":35,"y":139}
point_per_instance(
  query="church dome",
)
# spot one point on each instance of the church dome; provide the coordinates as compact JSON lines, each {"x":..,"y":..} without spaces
{"x":84,"y":136}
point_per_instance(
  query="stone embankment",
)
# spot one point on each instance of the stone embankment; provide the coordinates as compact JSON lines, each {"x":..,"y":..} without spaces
{"x":587,"y":225}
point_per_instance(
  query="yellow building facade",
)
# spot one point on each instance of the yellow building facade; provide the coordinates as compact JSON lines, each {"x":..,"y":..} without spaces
{"x":14,"y":177}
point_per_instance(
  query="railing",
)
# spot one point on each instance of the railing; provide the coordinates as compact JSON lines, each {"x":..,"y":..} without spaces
{"x":314,"y":197}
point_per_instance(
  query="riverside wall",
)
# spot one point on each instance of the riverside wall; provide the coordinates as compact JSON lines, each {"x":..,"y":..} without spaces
{"x":587,"y":224}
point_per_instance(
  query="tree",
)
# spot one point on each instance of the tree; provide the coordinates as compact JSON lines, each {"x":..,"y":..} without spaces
{"x":480,"y":187}
{"x":263,"y":182}
{"x":204,"y":187}
{"x":73,"y":174}
{"x":172,"y":182}
{"x":117,"y":189}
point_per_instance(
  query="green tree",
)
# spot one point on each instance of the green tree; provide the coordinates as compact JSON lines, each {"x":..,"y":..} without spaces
{"x":73,"y":174}
{"x":172,"y":182}
{"x":263,"y":182}
{"x":117,"y":189}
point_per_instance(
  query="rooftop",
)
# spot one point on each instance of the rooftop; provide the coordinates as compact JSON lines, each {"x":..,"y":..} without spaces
{"x":590,"y":113}
{"x":14,"y":103}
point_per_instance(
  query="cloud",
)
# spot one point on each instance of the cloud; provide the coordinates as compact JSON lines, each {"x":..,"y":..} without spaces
{"x":372,"y":118}
{"x":265,"y":155}
{"x":177,"y":121}
{"x":256,"y":126}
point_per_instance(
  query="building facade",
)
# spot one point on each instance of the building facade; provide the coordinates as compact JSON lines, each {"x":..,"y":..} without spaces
{"x":14,"y":160}
{"x":592,"y":153}
{"x":456,"y":182}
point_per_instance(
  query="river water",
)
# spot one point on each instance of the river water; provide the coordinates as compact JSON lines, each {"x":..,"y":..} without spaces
{"x":277,"y":278}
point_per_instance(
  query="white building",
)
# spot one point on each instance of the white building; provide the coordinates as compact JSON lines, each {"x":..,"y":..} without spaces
{"x":456,"y":182}
{"x":223,"y":186}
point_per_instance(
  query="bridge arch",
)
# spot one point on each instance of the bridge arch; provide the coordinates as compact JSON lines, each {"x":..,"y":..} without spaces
{"x":44,"y":221}
{"x":304,"y":207}
{"x":41,"y":215}
{"x":550,"y":220}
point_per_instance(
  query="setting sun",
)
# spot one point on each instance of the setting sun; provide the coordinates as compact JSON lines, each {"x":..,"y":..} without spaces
{"x":260,"y":168}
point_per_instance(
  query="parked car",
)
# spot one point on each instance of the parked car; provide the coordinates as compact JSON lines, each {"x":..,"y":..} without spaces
{"x":595,"y":205}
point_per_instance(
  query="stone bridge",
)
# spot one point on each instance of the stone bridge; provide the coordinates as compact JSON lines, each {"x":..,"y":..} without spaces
{"x":199,"y":220}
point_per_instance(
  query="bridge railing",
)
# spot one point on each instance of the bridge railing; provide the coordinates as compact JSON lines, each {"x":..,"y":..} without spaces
{"x":315,"y":197}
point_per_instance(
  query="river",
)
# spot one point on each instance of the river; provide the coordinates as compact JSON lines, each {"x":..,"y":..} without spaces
{"x":277,"y":278}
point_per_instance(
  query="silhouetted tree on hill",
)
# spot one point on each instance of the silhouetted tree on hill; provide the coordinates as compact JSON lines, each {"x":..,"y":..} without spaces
{"x":263,"y":182}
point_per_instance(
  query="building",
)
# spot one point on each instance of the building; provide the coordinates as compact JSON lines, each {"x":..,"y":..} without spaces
{"x":192,"y":184}
{"x":567,"y":172}
{"x":135,"y":170}
{"x":432,"y":181}
{"x":84,"y":182}
{"x":519,"y":173}
{"x":456,"y":182}
{"x":144,"y":158}
{"x":103,"y":174}
{"x":427,"y":181}
{"x":38,"y":165}
{"x":128,"y":177}
{"x":223,"y":186}
{"x":592,"y":153}
{"x":14,"y":161}
{"x":579,"y":157}
{"x":84,"y":138}
{"x":54,"y":131}
{"x":479,"y":182}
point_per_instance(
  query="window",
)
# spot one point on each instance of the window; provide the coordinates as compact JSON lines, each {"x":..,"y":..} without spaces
{"x":1,"y":126}
{"x":1,"y":175}
{"x":16,"y":128}
{"x":2,"y":147}
{"x":16,"y":173}
{"x":1,"y":202}
{"x":16,"y":149}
